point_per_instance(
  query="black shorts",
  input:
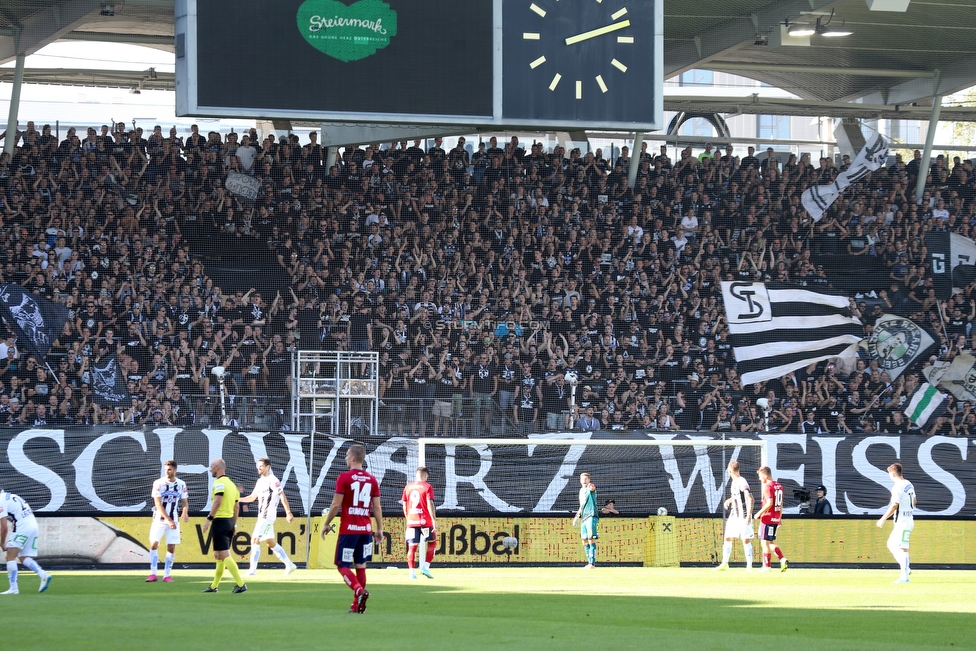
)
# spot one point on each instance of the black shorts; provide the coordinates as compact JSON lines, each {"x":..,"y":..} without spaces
{"x":414,"y":534}
{"x":222,"y":533}
{"x":768,"y":531}
{"x":354,"y":549}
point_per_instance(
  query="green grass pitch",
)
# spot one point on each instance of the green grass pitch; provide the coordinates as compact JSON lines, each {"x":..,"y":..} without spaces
{"x":516,"y":608}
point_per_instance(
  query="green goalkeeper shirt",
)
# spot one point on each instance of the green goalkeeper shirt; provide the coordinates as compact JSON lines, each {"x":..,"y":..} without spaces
{"x":587,"y":498}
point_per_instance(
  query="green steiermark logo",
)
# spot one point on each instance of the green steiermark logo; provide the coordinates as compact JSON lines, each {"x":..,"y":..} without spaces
{"x":347,"y":33}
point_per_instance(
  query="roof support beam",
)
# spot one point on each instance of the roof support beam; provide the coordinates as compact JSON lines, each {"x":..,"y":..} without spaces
{"x":722,"y":38}
{"x":818,"y":70}
{"x":146,"y":79}
{"x":926,"y":161}
{"x":11,"y":139}
{"x":45,"y":26}
{"x":961,"y":75}
{"x":109,"y":37}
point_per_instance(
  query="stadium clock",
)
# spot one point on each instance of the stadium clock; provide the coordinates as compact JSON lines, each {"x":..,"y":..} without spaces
{"x":584,"y":60}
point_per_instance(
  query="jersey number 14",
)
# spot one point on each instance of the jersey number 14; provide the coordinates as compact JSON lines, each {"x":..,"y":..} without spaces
{"x":361,"y":494}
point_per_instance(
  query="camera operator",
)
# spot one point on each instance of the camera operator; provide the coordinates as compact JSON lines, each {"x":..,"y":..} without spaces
{"x":822,"y":506}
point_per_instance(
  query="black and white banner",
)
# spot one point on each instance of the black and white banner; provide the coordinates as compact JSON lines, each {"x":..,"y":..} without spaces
{"x":242,"y":185}
{"x":103,"y":470}
{"x":952,"y":262}
{"x":35,"y":320}
{"x":819,"y":198}
{"x":108,"y":383}
{"x":895,"y":344}
{"x":777,"y":328}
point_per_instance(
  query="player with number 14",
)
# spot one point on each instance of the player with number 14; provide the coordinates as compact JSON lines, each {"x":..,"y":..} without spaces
{"x":355,"y":492}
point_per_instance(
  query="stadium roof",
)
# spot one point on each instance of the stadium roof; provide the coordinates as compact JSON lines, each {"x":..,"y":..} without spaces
{"x":892,"y":58}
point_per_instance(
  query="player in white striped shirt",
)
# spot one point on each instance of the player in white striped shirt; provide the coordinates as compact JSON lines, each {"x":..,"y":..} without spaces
{"x":268,"y":491}
{"x":170,"y":505}
{"x":739,"y":523}
{"x":18,"y":538}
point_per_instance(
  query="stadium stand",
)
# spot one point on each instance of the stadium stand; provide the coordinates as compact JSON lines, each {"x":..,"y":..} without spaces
{"x":502,"y":269}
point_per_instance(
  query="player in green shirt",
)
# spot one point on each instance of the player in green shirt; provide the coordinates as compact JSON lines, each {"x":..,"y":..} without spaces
{"x":588,"y":518}
{"x":225,"y":505}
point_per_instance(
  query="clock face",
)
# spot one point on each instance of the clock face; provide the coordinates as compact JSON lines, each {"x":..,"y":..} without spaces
{"x":580,"y":61}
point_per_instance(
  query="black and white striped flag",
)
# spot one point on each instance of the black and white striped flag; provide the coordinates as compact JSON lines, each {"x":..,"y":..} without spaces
{"x":776,"y":328}
{"x":819,"y":198}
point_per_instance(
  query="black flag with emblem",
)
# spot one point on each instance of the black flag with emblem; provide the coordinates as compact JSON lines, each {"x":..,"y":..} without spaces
{"x":108,"y":383}
{"x":35,"y":320}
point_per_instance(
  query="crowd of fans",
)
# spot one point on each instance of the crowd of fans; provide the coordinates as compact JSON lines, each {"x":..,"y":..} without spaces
{"x":481,"y":279}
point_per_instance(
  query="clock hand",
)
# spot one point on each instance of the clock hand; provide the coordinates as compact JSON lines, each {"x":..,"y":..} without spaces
{"x":572,"y":40}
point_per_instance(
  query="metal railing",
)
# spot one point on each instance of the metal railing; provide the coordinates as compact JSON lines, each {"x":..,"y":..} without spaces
{"x":458,"y":416}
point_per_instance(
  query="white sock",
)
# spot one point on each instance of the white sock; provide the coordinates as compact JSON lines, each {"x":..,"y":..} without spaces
{"x":748,"y":547}
{"x":279,"y":551}
{"x":170,"y":557}
{"x":255,"y":557}
{"x":153,"y":560}
{"x":902,"y":558}
{"x":12,"y":574}
{"x":908,"y":564}
{"x":726,"y":551}
{"x":32,"y":565}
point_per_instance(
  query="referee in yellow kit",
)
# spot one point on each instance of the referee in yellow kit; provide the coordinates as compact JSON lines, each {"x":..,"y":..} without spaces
{"x":225,"y":502}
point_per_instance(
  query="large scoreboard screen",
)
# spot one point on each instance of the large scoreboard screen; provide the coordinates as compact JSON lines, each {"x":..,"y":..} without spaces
{"x":517,"y":63}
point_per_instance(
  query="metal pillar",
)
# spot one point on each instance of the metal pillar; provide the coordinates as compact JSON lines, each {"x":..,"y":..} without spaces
{"x":635,"y":156}
{"x":11,"y":139}
{"x":330,"y":157}
{"x":923,"y":168}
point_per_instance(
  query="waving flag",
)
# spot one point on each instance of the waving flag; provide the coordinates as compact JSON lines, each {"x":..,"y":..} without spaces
{"x":952,"y":262}
{"x":108,"y":383}
{"x":958,"y":378}
{"x":776,"y":328}
{"x":896,"y":343}
{"x":819,"y":198}
{"x":926,"y":404}
{"x":35,"y":320}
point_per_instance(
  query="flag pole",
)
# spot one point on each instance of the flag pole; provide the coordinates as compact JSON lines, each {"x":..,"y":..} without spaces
{"x":51,"y":370}
{"x":942,"y":320}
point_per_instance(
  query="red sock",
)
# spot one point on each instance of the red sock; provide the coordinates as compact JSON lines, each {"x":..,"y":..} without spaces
{"x":361,"y":576}
{"x":431,"y":548}
{"x":350,"y":578}
{"x":766,"y":559}
{"x":778,"y":552}
{"x":411,"y":556}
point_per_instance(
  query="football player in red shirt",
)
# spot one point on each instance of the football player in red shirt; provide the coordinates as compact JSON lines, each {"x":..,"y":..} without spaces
{"x":356,"y":491}
{"x":418,"y":510}
{"x":770,"y":517}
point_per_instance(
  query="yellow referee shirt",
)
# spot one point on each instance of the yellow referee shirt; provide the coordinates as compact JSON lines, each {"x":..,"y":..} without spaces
{"x":224,"y":486}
